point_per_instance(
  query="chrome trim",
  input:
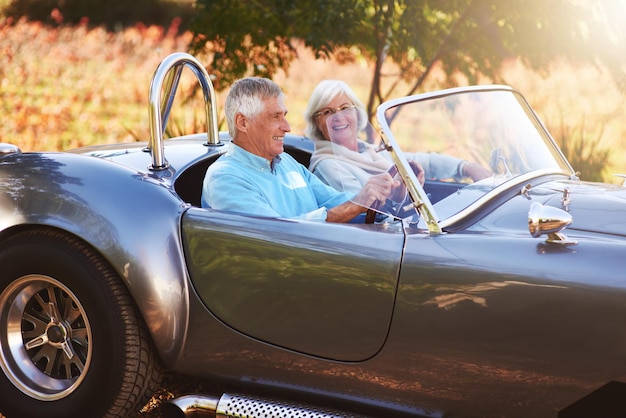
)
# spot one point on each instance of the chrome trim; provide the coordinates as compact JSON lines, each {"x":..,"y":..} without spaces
{"x":48,"y":358}
{"x":550,"y":221}
{"x":566,"y":199}
{"x":380,"y":112}
{"x":166,"y":78}
{"x":235,"y":405}
{"x":190,"y":405}
{"x":415,"y":189}
{"x":8,"y":149}
{"x":525,"y":191}
{"x":496,"y":192}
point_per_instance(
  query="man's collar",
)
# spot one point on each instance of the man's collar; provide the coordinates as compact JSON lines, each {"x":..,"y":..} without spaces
{"x":254,"y":160}
{"x":275,"y":161}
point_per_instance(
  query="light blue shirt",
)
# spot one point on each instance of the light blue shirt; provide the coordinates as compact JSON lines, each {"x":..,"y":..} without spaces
{"x":240,"y":181}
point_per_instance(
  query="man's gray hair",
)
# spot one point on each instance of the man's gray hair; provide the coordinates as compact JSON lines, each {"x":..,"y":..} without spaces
{"x":246,"y":96}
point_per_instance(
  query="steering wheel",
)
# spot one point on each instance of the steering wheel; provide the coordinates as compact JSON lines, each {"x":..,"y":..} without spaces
{"x":395,"y":201}
{"x":370,"y":216}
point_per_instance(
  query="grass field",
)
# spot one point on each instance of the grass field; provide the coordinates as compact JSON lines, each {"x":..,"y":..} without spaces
{"x":67,"y":87}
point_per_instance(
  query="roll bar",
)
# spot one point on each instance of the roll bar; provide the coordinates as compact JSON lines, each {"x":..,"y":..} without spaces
{"x":165,"y":80}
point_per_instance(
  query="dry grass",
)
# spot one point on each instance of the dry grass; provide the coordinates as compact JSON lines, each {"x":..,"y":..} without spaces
{"x":74,"y":86}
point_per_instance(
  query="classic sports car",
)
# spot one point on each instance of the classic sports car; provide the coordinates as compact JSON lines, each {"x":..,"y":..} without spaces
{"x":502,"y":297}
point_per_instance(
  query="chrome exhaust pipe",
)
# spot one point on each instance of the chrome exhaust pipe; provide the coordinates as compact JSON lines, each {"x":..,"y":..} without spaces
{"x":190,"y":406}
{"x":243,"y":406}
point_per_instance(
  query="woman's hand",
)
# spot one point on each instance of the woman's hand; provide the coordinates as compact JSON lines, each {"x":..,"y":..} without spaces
{"x":476,"y":171}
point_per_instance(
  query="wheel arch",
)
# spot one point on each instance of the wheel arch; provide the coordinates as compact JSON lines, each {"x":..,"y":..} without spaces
{"x":67,"y":304}
{"x":131,"y":218}
{"x":167,"y":329}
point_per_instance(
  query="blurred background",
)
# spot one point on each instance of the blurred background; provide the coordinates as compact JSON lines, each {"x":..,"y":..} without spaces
{"x":77,"y":72}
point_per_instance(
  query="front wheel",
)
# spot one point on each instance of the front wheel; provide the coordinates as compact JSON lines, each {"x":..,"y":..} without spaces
{"x":71,"y":340}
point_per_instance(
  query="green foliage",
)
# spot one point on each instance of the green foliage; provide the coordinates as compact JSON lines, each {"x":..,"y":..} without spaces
{"x":250,"y":37}
{"x":470,"y":37}
{"x":112,"y":14}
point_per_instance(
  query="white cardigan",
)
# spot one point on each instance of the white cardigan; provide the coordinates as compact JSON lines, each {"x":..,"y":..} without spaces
{"x":348,"y":170}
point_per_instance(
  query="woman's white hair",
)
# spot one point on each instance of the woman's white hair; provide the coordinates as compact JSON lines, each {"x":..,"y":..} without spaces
{"x":322,"y":95}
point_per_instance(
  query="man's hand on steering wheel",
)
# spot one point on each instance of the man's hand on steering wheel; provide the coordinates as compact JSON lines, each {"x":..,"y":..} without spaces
{"x":395,"y":200}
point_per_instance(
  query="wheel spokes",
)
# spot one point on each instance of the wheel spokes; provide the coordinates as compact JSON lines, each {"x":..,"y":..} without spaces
{"x":53,"y":330}
{"x":36,"y":342}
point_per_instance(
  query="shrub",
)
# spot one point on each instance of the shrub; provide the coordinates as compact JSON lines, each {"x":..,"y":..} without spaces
{"x":112,"y":14}
{"x":584,"y":154}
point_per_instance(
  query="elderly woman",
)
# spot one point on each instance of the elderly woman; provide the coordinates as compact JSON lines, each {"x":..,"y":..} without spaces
{"x":335,"y":116}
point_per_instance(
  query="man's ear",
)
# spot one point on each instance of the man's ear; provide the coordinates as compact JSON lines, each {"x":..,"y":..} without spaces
{"x":241,"y":122}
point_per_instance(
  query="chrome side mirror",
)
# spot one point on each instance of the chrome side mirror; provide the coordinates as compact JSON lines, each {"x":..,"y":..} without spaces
{"x":7,"y":149}
{"x":550,"y":221}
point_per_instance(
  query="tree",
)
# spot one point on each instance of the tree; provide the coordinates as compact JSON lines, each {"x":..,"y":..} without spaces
{"x":470,"y":37}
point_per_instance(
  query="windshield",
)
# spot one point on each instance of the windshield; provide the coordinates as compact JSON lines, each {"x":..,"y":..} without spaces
{"x":471,"y":142}
{"x":493,"y":128}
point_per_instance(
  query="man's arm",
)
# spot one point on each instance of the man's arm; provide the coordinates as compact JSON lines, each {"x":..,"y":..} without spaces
{"x":344,"y":212}
{"x":377,"y":188}
{"x":340,"y":175}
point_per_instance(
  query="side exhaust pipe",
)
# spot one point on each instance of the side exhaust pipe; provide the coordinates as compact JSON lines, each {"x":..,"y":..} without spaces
{"x":190,"y":406}
{"x":243,"y":406}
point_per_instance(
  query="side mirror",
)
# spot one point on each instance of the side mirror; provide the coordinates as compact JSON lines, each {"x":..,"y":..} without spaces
{"x":550,"y":221}
{"x":7,"y":149}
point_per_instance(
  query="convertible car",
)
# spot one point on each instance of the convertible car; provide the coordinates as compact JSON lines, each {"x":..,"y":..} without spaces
{"x":501,"y":297}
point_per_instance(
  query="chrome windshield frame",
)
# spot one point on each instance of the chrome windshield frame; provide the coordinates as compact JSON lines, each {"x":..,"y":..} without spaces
{"x":429,"y":215}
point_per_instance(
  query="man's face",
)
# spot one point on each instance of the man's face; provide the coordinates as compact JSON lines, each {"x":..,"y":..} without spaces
{"x":266,"y":131}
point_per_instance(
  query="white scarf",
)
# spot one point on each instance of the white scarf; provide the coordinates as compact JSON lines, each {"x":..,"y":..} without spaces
{"x":365,"y":158}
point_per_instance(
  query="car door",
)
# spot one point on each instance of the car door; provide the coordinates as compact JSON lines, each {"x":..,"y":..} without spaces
{"x":322,"y":289}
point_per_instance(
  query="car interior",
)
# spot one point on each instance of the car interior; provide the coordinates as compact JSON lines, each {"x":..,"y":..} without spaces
{"x":189,"y":184}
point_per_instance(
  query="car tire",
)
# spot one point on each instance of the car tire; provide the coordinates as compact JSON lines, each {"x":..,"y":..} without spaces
{"x":72,"y":342}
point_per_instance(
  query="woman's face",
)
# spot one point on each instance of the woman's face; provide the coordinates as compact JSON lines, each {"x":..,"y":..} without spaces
{"x":338,"y":121}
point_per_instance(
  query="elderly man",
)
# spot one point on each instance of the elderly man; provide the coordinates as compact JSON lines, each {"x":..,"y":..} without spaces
{"x":256,"y":177}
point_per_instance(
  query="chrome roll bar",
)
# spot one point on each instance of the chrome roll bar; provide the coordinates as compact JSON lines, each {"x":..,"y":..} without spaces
{"x":162,"y":92}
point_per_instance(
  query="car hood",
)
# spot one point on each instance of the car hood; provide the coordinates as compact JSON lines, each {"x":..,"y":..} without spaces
{"x":595,"y":207}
